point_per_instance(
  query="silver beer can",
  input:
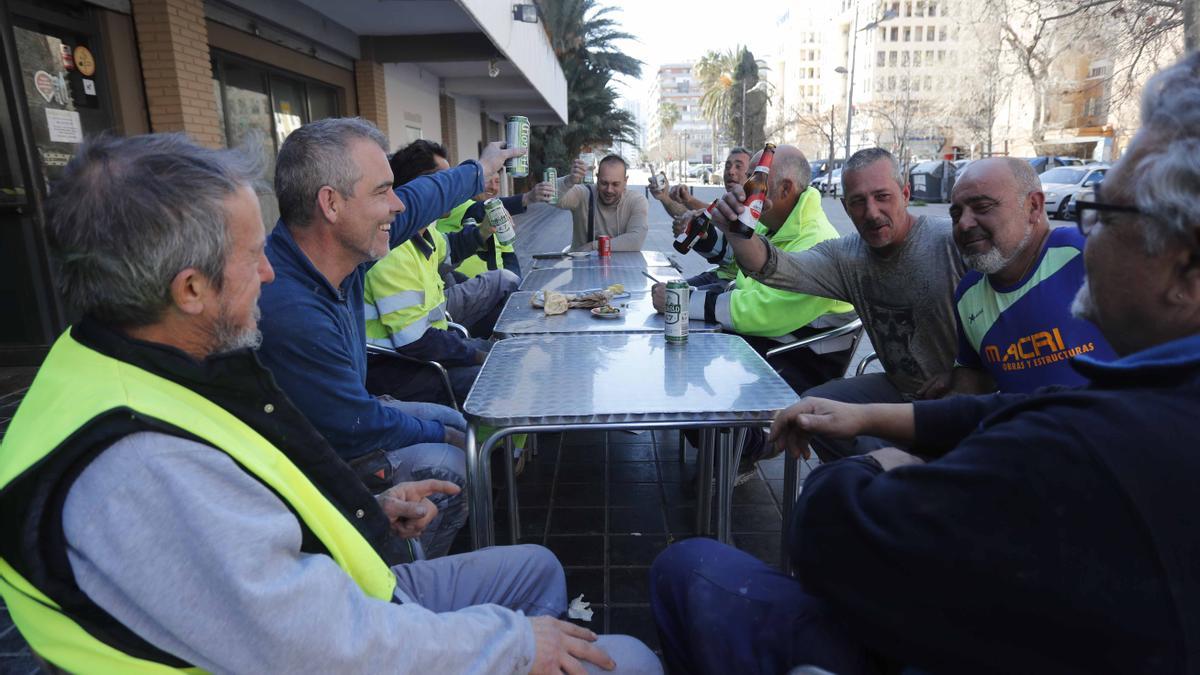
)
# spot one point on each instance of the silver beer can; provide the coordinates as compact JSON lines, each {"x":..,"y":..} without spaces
{"x":551,"y":176}
{"x":516,"y":135}
{"x":499,"y":218}
{"x":675,"y":324}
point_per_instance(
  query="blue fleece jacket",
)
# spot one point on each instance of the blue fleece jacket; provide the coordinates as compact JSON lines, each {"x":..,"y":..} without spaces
{"x":314,"y":335}
{"x":1056,"y":533}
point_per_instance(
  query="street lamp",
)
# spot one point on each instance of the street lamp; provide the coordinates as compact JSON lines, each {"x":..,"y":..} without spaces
{"x":760,"y":86}
{"x":887,"y":16}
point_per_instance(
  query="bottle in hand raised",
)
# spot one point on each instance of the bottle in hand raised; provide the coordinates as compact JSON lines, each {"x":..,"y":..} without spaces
{"x":756,"y":195}
{"x":697,"y":226}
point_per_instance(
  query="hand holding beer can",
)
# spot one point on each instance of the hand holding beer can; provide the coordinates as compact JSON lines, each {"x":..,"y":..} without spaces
{"x":516,"y":135}
{"x":589,"y":159}
{"x":499,"y":218}
{"x":551,"y":176}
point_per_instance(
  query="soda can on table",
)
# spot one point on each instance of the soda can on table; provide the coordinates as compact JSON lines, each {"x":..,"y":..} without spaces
{"x":516,"y":135}
{"x":551,"y":176}
{"x":499,"y":218}
{"x":604,"y":245}
{"x":675,"y":324}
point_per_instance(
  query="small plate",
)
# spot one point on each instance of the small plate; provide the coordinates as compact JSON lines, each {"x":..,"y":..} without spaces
{"x":578,"y":254}
{"x":607,"y":315}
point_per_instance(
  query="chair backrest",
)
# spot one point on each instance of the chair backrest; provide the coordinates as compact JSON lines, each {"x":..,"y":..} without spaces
{"x":375,"y":350}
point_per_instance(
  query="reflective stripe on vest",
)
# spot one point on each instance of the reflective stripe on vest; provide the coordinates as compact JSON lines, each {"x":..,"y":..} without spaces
{"x":404,"y":296}
{"x":74,"y":386}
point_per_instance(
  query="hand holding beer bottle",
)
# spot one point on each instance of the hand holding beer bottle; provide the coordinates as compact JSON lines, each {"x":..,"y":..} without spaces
{"x":739,"y":210}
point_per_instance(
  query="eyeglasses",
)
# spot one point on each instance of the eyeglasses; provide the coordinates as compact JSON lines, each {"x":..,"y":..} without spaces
{"x":1087,"y":214}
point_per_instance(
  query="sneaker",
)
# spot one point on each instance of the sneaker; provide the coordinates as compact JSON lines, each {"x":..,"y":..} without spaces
{"x":747,"y":471}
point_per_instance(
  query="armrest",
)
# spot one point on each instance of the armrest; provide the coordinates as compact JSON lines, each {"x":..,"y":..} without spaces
{"x":862,"y":365}
{"x":852,"y":328}
{"x":445,"y":376}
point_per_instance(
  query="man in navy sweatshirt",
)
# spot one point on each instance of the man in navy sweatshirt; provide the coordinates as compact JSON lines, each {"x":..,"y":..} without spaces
{"x":1052,"y":533}
{"x":338,"y":214}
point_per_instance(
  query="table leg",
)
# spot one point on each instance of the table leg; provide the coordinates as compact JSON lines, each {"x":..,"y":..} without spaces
{"x":514,"y":525}
{"x":474,"y":490}
{"x":704,"y":471}
{"x":791,"y":482}
{"x":730,"y":452}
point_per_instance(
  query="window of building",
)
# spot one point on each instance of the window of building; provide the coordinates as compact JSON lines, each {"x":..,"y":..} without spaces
{"x":916,"y":84}
{"x":896,"y":11}
{"x":908,"y":8}
{"x":917,"y":59}
{"x":941,"y":56}
{"x":920,"y":8}
{"x":907,"y":34}
{"x":928,"y":83}
{"x":880,"y":58}
{"x":892,"y":59}
{"x":891,"y":83}
{"x":1099,"y":69}
{"x":933,"y":8}
{"x":929,"y":33}
{"x":942,"y":34}
{"x":879,"y":85}
{"x":883,"y":35}
{"x":920,"y":33}
{"x":895,"y":34}
{"x":682,"y":86}
{"x":904,"y":59}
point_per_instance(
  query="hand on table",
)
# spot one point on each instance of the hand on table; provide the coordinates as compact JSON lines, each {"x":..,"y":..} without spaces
{"x":561,"y":646}
{"x":795,"y":426}
{"x":658,"y":297}
{"x":407,"y":505}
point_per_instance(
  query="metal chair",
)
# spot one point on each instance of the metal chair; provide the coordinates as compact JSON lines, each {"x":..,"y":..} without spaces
{"x":441,"y":370}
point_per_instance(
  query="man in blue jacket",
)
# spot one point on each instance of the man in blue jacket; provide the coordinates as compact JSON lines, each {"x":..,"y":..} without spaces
{"x":338,"y":214}
{"x":1054,"y":531}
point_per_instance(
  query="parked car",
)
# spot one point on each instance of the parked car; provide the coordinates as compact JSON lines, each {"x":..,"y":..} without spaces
{"x":1046,"y":162}
{"x":1061,"y":186}
{"x":1087,"y":194}
{"x":701,"y":172}
{"x":829,"y":184}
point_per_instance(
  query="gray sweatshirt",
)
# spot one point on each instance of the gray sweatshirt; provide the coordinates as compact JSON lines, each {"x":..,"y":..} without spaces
{"x":181,"y":545}
{"x":905,"y":300}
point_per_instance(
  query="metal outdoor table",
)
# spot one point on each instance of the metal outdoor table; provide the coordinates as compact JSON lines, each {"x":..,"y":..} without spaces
{"x":642,"y":259}
{"x":551,"y":383}
{"x":638,"y":316}
{"x":591,"y":278}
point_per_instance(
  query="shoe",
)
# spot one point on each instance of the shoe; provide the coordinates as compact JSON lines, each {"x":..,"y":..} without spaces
{"x":747,"y":470}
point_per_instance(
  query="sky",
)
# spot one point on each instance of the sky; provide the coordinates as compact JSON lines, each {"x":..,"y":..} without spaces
{"x":669,"y":32}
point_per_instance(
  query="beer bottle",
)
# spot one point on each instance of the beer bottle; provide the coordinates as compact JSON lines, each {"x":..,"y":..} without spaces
{"x":756,"y":194}
{"x":698,"y":225}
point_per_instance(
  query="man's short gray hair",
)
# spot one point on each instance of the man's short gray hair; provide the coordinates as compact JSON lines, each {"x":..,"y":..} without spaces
{"x":739,"y":150}
{"x":129,"y":214}
{"x":315,"y":155}
{"x":1165,"y":183}
{"x":864,"y":158}
{"x":792,"y":165}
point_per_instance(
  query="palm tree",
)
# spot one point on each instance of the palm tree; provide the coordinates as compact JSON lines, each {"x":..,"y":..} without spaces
{"x":721,"y":76}
{"x":584,"y":36}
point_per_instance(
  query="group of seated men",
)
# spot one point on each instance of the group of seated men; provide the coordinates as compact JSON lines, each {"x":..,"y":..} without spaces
{"x":1042,"y":528}
{"x":199,"y":475}
{"x":191,"y":483}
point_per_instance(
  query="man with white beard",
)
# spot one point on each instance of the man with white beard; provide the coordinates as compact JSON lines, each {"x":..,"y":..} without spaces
{"x":1015,"y":329}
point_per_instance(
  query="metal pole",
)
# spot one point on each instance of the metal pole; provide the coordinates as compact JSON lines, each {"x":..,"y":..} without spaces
{"x":850,"y":85}
{"x":1191,"y":25}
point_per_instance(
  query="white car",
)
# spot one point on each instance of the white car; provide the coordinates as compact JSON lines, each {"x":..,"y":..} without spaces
{"x":1062,"y":184}
{"x":830,"y":185}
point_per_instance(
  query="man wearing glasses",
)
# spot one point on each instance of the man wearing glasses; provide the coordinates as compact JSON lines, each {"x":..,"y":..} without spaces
{"x":1052,"y":533}
{"x":1015,"y":329}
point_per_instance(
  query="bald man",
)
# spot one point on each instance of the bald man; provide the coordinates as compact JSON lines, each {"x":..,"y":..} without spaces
{"x":1015,"y":329}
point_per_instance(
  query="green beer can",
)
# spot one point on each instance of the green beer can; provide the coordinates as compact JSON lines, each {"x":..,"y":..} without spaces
{"x":675,"y":324}
{"x":551,"y":176}
{"x":516,"y":135}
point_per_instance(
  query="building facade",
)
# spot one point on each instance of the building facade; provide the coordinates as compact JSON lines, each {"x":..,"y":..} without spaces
{"x":233,"y":72}
{"x":690,"y":140}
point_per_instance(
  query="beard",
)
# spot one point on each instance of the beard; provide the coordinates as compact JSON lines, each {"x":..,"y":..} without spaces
{"x":228,"y":336}
{"x":1083,"y":307}
{"x":994,"y":261}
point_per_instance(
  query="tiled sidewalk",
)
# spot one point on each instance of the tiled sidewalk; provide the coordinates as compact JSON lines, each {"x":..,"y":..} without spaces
{"x":607,"y":503}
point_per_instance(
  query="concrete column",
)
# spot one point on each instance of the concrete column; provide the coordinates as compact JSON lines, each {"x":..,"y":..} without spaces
{"x":176,"y":68}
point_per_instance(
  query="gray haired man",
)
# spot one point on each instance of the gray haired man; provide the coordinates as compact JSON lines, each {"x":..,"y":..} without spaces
{"x":170,"y":507}
{"x":899,"y":272}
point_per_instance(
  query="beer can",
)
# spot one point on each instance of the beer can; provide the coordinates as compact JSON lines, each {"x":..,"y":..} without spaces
{"x":589,"y":158}
{"x":516,"y":135}
{"x":604,"y":245}
{"x":499,"y":218}
{"x":675,"y":325}
{"x":657,"y":181}
{"x":551,"y":176}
